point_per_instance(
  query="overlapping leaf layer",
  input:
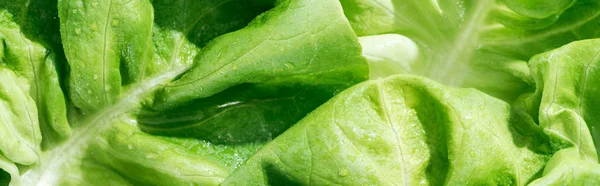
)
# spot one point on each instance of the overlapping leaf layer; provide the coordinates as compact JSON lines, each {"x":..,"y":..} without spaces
{"x":299,"y":92}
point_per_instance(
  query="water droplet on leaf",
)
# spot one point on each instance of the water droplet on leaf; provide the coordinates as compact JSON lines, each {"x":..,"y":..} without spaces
{"x":343,"y":172}
{"x":94,"y":27}
{"x":289,"y":65}
{"x":114,"y":22}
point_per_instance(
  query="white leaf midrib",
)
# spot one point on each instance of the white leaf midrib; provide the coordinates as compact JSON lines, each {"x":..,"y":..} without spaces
{"x":466,"y":36}
{"x":49,"y":170}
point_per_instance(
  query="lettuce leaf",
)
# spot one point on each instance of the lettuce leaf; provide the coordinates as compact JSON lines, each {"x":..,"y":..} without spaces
{"x":402,"y":129}
{"x":299,"y":92}
{"x":117,"y":53}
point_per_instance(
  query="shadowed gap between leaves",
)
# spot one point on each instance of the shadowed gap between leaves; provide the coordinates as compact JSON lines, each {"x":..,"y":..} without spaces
{"x":4,"y":178}
{"x":202,"y":21}
{"x":242,"y":114}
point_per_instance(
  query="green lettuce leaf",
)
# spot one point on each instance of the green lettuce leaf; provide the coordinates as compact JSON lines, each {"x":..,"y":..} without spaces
{"x":400,"y":130}
{"x":31,"y":48}
{"x":566,"y":80}
{"x":114,"y":34}
{"x":276,"y":92}
{"x":565,"y":106}
{"x":567,"y":167}
{"x":236,"y":93}
{"x":21,"y":136}
{"x":126,"y":156}
{"x":111,"y":56}
{"x":303,"y":56}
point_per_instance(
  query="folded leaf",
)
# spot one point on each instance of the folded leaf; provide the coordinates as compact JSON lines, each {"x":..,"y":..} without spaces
{"x":21,"y":136}
{"x":234,"y":93}
{"x":8,"y":170}
{"x":564,"y":104}
{"x":565,"y":100}
{"x":300,"y":50}
{"x":31,"y":50}
{"x":389,"y":54}
{"x":107,"y":44}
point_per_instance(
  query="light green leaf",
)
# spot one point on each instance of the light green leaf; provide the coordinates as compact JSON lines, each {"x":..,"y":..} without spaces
{"x":400,"y":130}
{"x":389,"y":54}
{"x":21,"y":136}
{"x":565,"y":107}
{"x":30,"y":48}
{"x":8,"y":170}
{"x":537,"y":8}
{"x":567,"y":167}
{"x":565,"y":102}
{"x":126,"y":156}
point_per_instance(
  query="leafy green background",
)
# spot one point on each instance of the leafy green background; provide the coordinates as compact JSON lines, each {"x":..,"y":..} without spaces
{"x":299,"y":92}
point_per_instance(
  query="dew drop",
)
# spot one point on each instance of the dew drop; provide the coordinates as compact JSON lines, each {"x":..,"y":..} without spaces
{"x":95,"y":76}
{"x":77,"y":31}
{"x":94,"y":27}
{"x":114,"y":22}
{"x":343,"y":172}
{"x":289,"y":65}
